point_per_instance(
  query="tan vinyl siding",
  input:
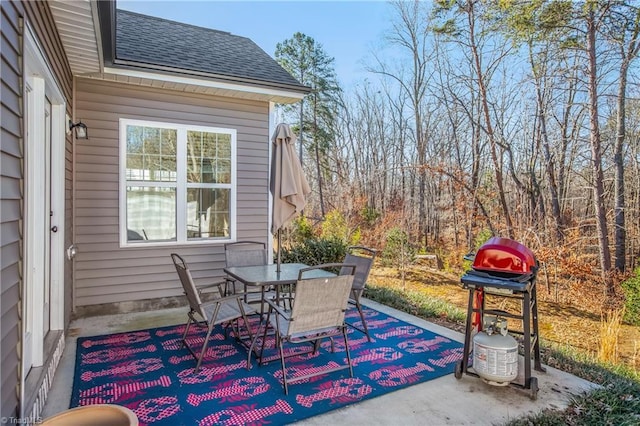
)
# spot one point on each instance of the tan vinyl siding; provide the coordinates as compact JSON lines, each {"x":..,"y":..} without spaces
{"x":106,"y":273}
{"x":10,"y":204}
{"x":38,"y":16}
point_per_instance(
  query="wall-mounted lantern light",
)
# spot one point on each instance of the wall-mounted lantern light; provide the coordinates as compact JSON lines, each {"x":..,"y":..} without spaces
{"x":80,"y":129}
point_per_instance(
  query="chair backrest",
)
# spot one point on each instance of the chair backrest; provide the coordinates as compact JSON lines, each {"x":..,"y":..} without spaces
{"x":195,"y":302}
{"x":319,"y":303}
{"x":362,"y":262}
{"x":245,"y":253}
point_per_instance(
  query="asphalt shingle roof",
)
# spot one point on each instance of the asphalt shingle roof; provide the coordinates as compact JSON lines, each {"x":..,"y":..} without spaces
{"x":160,"y":42}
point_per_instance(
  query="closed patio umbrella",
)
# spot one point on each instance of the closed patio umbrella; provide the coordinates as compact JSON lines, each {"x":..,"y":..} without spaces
{"x":289,"y":186}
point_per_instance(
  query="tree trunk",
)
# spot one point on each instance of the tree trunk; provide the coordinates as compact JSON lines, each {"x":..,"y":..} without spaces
{"x":300,"y":152}
{"x":546,"y":151}
{"x":317,"y":154}
{"x":620,"y":230}
{"x":596,"y":159}
{"x":488,"y":126}
{"x":618,"y":160}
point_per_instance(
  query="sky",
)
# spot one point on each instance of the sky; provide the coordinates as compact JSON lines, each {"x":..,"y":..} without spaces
{"x":348,"y":30}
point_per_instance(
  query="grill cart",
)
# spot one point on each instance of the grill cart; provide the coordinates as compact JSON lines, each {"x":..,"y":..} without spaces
{"x":502,"y":268}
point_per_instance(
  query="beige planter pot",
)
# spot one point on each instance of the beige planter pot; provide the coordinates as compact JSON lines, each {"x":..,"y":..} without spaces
{"x":94,"y":415}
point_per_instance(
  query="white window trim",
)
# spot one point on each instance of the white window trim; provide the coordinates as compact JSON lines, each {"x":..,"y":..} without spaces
{"x":181,"y":187}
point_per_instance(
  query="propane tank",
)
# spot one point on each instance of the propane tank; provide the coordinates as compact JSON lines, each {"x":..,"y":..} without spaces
{"x":495,"y":353}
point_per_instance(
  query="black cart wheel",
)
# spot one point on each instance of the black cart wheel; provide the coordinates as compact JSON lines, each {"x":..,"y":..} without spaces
{"x":458,"y":370}
{"x":533,"y":388}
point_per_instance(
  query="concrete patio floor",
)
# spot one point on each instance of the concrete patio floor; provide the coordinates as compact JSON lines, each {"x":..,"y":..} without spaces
{"x":443,"y":401}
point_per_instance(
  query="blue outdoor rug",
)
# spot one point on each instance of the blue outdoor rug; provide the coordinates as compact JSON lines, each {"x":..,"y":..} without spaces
{"x":149,"y":372}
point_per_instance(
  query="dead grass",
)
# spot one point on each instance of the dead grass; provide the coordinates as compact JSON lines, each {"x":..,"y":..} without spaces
{"x":610,"y":326}
{"x":569,"y":317}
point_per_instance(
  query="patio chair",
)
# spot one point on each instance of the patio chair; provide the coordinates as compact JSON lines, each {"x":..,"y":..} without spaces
{"x":363,"y":258}
{"x":246,"y":253}
{"x":220,"y":310}
{"x":318,"y":308}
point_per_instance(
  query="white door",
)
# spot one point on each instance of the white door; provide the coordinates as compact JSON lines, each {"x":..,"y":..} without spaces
{"x":44,"y":120}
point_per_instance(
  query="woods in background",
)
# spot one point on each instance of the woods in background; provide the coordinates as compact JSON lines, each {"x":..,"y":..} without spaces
{"x":510,"y":118}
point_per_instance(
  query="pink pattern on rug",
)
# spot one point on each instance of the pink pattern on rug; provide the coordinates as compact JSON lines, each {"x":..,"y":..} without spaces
{"x":377,"y":355}
{"x":232,"y":391}
{"x":397,"y":375}
{"x":113,"y":392}
{"x":416,"y":346}
{"x":119,"y":339}
{"x":343,"y":390}
{"x":154,"y":409}
{"x":246,"y":415}
{"x":110,"y":355}
{"x":449,"y":356}
{"x":130,"y":368}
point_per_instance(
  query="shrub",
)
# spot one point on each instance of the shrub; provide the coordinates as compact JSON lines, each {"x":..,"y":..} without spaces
{"x":398,"y":251}
{"x":315,"y":251}
{"x":631,"y":288}
{"x":452,"y":260}
{"x":415,"y":303}
{"x":370,"y":215}
{"x":482,"y":237}
{"x":302,"y":229}
{"x":335,"y":226}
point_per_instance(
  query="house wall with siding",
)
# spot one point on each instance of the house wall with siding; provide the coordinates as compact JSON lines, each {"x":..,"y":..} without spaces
{"x":41,"y":20}
{"x":13,"y":14}
{"x":108,"y":274}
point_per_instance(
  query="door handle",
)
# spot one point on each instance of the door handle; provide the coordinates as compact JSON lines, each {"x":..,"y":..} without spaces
{"x":54,"y":229}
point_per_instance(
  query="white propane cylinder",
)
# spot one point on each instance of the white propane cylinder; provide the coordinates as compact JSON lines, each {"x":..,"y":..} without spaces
{"x":495,"y":358}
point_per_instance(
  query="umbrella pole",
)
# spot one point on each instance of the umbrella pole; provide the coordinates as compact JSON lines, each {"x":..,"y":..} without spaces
{"x":279,"y":249}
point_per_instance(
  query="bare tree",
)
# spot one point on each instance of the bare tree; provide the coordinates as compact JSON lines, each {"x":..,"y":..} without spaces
{"x":410,"y":34}
{"x":462,"y":28}
{"x":623,"y":29}
{"x":592,"y":20}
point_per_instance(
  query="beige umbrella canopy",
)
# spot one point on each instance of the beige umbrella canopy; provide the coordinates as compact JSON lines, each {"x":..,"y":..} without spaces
{"x":289,"y":186}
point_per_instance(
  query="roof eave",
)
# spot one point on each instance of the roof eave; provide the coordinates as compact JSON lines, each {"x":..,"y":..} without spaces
{"x":180,"y":72}
{"x":106,"y":11}
{"x":199,"y":84}
{"x":79,"y":31}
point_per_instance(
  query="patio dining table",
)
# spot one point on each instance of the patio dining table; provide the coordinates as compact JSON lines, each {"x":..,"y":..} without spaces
{"x":265,"y":276}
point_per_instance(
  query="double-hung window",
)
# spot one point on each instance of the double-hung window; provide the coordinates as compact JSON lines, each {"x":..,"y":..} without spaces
{"x":177,"y":183}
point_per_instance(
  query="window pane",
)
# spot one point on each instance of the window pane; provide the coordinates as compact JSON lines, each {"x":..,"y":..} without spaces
{"x":208,"y":157}
{"x":151,"y":213}
{"x":223,"y":163}
{"x":223,"y":171}
{"x":194,"y":156}
{"x":208,"y":213}
{"x":151,"y":154}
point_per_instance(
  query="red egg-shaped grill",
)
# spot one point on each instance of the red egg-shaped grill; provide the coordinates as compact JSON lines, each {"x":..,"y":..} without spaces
{"x":503,"y":255}
{"x":503,"y":264}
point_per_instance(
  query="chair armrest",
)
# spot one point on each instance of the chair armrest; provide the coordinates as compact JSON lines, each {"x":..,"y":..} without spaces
{"x":223,"y":299}
{"x":204,"y":286}
{"x":277,"y":308}
{"x":219,"y":285}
